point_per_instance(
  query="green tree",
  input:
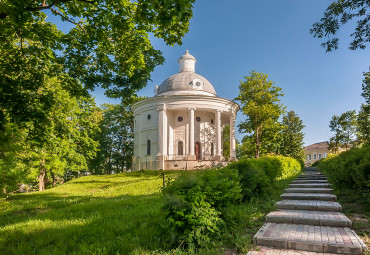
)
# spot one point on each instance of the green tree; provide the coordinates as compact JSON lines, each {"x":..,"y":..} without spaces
{"x":344,"y":127}
{"x":108,"y":46}
{"x":116,"y":139}
{"x":226,"y":141}
{"x":260,"y":103}
{"x":339,"y":13}
{"x":292,"y":136}
{"x":363,"y":118}
{"x":61,"y":143}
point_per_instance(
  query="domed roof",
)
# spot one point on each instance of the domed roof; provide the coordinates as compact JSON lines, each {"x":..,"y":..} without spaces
{"x":186,"y":82}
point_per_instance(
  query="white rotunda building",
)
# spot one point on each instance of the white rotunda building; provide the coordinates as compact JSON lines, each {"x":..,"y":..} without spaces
{"x":181,"y":126}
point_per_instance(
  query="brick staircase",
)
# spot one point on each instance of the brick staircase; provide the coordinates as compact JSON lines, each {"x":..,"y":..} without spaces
{"x":308,"y":221}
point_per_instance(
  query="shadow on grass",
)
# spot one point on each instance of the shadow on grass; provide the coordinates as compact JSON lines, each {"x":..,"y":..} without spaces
{"x":102,"y":226}
{"x":70,"y":220}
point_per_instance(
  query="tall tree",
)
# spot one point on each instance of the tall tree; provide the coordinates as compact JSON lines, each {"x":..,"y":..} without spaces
{"x":261,"y":105}
{"x":363,"y":118}
{"x":60,"y":143}
{"x":339,"y":13}
{"x":116,"y":139}
{"x":108,"y":46}
{"x":292,"y":136}
{"x":344,"y":127}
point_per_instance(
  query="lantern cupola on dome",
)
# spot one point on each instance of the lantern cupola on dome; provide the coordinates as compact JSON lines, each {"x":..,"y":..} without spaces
{"x":186,"y":82}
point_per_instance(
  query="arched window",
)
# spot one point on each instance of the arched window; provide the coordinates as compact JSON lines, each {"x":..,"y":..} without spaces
{"x":180,"y":148}
{"x":148,"y":147}
{"x":212,"y":149}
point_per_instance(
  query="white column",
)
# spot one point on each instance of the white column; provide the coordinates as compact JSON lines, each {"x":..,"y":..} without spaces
{"x":138,"y":142}
{"x":162,"y":132}
{"x":218,"y":134}
{"x":232,"y":137}
{"x":170,"y":141}
{"x":191,"y":131}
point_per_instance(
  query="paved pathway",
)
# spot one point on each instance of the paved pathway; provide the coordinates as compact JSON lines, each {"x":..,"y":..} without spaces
{"x":308,"y":221}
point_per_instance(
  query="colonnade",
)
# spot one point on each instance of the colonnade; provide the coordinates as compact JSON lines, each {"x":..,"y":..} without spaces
{"x":163,"y":136}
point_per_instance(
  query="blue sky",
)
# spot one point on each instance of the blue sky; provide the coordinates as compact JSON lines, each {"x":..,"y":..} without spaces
{"x":231,"y":38}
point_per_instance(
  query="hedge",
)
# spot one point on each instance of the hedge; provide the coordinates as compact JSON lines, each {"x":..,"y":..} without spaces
{"x":195,"y":203}
{"x":349,"y":169}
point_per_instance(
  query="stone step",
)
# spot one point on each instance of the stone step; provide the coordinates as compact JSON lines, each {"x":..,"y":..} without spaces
{"x":263,"y":250}
{"x":309,"y":196}
{"x":309,"y":181}
{"x":310,"y":185}
{"x":309,"y":238}
{"x":313,"y":205}
{"x":311,"y":178}
{"x":317,"y":218}
{"x":309,"y":190}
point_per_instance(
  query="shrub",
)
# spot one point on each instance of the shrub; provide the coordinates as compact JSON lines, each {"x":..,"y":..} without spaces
{"x":199,"y":204}
{"x":350,"y":169}
{"x":257,"y":174}
{"x":193,"y":203}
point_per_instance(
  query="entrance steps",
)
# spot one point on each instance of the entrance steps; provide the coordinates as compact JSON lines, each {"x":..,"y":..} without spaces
{"x":309,"y":190}
{"x":309,"y":185}
{"x":317,"y":218}
{"x":272,"y":251}
{"x":309,"y":238}
{"x":308,"y":221}
{"x":312,"y":205}
{"x":309,"y":196}
{"x":309,"y":181}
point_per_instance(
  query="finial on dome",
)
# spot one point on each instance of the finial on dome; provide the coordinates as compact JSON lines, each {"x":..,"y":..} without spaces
{"x":187,"y":62}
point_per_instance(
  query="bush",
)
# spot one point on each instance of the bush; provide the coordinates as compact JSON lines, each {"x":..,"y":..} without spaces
{"x":193,"y":203}
{"x":350,"y":169}
{"x":257,"y":174}
{"x":200,"y":204}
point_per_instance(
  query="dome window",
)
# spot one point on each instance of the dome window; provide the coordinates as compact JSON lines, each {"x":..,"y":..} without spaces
{"x":197,"y":119}
{"x":197,"y":83}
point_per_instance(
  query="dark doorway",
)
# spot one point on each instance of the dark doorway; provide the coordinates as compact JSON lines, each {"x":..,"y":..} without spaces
{"x":180,"y":148}
{"x":198,"y":151}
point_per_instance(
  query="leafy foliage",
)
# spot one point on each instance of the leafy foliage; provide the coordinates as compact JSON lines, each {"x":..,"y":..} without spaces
{"x":292,"y":136}
{"x":344,"y":127}
{"x":115,"y":140}
{"x":257,"y":174}
{"x":108,"y":44}
{"x":60,"y":143}
{"x":350,"y":169}
{"x":339,"y":13}
{"x":193,"y":203}
{"x":260,"y":103}
{"x":200,"y":205}
{"x":363,"y":118}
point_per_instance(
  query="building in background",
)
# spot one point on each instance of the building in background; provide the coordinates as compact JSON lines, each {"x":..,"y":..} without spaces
{"x":181,"y":126}
{"x":315,"y":152}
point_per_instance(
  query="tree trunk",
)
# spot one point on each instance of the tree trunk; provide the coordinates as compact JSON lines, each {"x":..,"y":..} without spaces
{"x":42,"y":175}
{"x":257,"y":143}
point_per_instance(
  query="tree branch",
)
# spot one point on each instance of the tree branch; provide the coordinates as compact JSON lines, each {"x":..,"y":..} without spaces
{"x":44,"y":6}
{"x":66,"y":18}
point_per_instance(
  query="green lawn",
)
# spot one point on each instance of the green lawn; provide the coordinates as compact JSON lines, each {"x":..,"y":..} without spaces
{"x":114,"y":214}
{"x":89,"y":215}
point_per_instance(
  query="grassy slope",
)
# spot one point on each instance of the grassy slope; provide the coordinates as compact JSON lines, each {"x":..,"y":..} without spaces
{"x":116,"y":214}
{"x":90,"y":215}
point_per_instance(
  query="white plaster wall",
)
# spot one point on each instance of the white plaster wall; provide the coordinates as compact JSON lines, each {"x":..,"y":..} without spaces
{"x":148,"y":130}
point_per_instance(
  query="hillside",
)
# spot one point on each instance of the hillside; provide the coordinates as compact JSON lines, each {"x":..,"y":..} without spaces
{"x":89,"y":215}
